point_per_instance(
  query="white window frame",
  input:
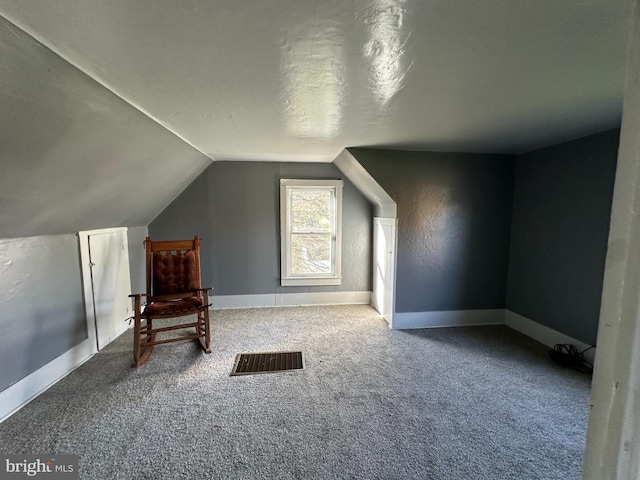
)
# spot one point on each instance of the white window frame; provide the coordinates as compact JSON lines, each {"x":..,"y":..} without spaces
{"x":287,"y":279}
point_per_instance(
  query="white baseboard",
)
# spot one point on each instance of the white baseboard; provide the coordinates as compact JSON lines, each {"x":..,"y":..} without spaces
{"x":16,"y":396}
{"x":543,"y":334}
{"x":453,"y":318}
{"x":289,"y":299}
{"x":372,"y":301}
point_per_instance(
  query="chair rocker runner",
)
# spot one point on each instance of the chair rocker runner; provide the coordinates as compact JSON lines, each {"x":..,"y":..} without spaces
{"x":173,"y":291}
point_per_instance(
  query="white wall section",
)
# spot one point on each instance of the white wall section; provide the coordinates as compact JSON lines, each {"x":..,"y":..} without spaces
{"x":384,"y":206}
{"x":613,"y":436}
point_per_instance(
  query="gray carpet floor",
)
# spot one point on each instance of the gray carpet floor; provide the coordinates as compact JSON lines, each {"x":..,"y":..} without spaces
{"x":371,"y":403}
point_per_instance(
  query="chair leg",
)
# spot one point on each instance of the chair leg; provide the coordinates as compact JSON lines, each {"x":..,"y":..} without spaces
{"x":136,"y":340}
{"x":138,"y":353}
{"x":207,"y":330}
{"x":142,"y":353}
{"x":203,"y":323}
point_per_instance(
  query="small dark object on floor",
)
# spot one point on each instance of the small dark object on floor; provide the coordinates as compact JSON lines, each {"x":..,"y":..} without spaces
{"x":568,"y":355}
{"x":266,"y":362}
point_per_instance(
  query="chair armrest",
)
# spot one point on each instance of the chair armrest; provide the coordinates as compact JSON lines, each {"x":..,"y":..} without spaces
{"x":137,"y":303}
{"x":204,"y":292}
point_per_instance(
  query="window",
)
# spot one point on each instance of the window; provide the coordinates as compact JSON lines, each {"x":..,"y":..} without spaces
{"x":310,"y":232}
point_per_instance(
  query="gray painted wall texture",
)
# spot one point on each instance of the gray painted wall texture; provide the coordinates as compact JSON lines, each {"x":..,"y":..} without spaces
{"x":73,"y":155}
{"x":137,"y":258}
{"x":561,"y":216}
{"x":235,"y":206}
{"x":42,"y":302}
{"x":454,"y":219}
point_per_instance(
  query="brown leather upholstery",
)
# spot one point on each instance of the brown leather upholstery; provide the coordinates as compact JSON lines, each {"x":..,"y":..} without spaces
{"x":173,"y":307}
{"x":174,"y":273}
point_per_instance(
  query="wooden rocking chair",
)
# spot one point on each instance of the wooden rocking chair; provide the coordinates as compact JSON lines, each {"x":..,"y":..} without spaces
{"x":173,"y":291}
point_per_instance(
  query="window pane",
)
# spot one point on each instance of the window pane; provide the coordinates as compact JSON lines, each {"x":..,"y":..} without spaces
{"x":310,"y":211}
{"x":310,"y":253}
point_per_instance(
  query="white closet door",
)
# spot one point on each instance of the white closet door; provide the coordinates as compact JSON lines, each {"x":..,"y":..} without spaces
{"x":384,"y":244}
{"x":107,"y":283}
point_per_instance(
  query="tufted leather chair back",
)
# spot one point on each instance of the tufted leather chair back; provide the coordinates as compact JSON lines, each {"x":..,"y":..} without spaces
{"x":173,"y":267}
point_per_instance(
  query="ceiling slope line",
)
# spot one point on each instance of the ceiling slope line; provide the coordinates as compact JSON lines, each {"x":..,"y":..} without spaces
{"x":96,"y":79}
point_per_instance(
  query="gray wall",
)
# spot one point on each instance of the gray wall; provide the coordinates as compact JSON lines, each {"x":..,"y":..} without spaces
{"x":454,"y":218}
{"x":562,"y":209}
{"x":137,"y":259}
{"x":73,"y":155}
{"x":235,"y":207}
{"x":41,"y":301}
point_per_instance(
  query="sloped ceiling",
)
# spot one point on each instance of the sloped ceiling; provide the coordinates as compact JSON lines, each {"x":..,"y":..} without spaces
{"x":74,"y":156}
{"x":281,"y":80}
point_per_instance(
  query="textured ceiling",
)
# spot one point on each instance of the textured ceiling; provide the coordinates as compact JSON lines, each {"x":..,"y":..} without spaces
{"x":299,"y":81}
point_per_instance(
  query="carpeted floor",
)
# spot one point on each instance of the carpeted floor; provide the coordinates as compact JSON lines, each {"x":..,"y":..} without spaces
{"x":371,"y":403}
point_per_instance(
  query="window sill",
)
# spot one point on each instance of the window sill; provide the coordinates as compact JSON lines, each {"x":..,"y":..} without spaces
{"x":310,"y":281}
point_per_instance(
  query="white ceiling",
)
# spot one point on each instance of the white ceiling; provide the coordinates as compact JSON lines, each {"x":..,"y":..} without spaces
{"x":296,"y":80}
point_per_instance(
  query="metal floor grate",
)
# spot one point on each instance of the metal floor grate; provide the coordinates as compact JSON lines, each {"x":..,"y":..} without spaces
{"x":266,"y":362}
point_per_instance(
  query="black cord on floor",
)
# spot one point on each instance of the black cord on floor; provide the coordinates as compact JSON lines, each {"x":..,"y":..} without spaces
{"x":568,"y":355}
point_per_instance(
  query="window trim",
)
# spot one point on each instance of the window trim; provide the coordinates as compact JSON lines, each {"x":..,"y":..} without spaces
{"x":286,"y":279}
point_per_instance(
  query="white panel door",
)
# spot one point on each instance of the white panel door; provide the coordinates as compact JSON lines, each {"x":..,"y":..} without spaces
{"x":110,"y":283}
{"x":384,"y":245}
